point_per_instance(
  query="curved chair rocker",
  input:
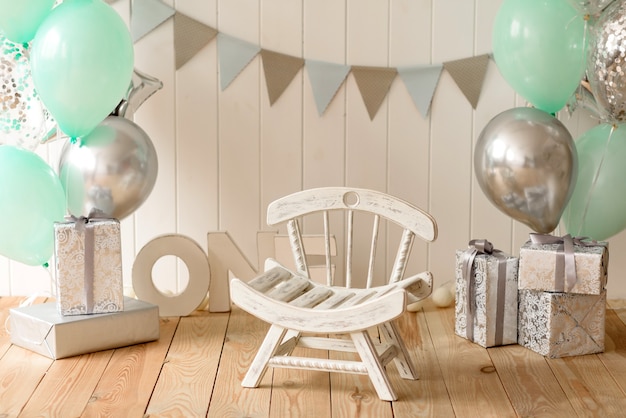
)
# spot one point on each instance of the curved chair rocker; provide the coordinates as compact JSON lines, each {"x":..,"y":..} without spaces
{"x":297,"y":307}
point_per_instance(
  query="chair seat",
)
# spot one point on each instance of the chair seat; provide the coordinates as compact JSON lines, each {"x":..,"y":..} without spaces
{"x":282,"y":297}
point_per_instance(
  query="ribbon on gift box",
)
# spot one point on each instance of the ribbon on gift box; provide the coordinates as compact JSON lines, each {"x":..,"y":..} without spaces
{"x":565,"y":267}
{"x":477,"y":247}
{"x":84,"y":225}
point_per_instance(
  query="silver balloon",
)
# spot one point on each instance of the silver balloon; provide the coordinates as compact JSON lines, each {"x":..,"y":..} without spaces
{"x":606,"y":69}
{"x":525,"y":162}
{"x":112,"y":170}
{"x":141,"y":87}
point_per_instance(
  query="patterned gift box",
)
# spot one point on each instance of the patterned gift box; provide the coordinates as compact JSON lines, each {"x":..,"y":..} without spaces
{"x":89,"y":266}
{"x":486,"y":296}
{"x":41,"y":328}
{"x":561,"y":324}
{"x":545,"y":265}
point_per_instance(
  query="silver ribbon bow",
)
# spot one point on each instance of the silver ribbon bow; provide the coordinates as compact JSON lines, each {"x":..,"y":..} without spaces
{"x":83,"y":225}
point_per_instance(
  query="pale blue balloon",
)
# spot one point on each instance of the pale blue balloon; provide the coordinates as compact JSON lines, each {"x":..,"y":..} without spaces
{"x":82,"y":64}
{"x":597,"y":208}
{"x":20,"y":19}
{"x":31,"y":200}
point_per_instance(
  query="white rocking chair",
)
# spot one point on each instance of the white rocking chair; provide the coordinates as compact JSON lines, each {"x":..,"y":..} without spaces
{"x":295,"y":305}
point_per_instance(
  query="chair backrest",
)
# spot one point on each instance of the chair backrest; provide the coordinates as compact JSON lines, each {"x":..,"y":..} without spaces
{"x":294,"y":207}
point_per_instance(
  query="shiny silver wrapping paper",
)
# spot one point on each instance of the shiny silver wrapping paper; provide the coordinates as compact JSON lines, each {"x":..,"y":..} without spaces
{"x":107,"y":293}
{"x":561,"y":324}
{"x":41,"y":328}
{"x":485,"y":292}
{"x":538,"y":262}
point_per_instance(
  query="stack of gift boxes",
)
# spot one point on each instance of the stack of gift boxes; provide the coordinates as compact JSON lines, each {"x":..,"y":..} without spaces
{"x":90,"y":312}
{"x":552,"y":299}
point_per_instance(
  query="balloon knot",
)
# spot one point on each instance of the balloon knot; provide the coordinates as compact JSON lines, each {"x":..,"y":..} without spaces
{"x":46,"y":265}
{"x":73,"y":140}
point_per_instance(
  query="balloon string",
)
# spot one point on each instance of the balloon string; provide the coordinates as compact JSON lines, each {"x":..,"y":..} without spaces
{"x":595,"y":179}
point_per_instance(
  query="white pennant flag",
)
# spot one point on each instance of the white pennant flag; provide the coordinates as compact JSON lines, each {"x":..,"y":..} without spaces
{"x":146,"y":15}
{"x":326,"y":78}
{"x":234,"y":55}
{"x":421,"y":83}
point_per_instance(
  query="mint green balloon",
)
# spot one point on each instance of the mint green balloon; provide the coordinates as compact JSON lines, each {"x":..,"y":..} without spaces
{"x":538,"y":46}
{"x":597,"y":208}
{"x":82,"y":64}
{"x":31,"y":200}
{"x":20,"y":19}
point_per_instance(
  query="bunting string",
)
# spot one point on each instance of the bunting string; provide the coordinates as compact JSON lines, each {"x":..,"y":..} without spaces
{"x":326,"y":78}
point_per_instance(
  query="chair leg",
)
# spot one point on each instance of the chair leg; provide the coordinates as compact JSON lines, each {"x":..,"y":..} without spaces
{"x":402,"y":360}
{"x":268,"y":348}
{"x":376,"y":371}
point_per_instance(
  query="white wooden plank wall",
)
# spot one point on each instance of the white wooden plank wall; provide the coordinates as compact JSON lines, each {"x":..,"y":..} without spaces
{"x":223,"y":156}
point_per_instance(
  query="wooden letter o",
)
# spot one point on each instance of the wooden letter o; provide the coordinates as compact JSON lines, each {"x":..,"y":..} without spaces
{"x":199,"y":274}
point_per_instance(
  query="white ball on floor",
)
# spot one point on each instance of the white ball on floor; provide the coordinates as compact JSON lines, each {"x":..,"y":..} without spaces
{"x":442,"y":297}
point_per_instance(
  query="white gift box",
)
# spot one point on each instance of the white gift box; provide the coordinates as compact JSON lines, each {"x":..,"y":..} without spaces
{"x":89,"y":266}
{"x":539,"y":267}
{"x":41,"y":328}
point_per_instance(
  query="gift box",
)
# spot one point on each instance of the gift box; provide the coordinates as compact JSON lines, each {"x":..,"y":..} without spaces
{"x":486,"y":296}
{"x":89,"y":266}
{"x":561,"y":324}
{"x":41,"y":328}
{"x":563,"y":264}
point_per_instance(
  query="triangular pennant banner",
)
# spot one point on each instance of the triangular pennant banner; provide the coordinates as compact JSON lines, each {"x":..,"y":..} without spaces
{"x":374,"y":84}
{"x":234,"y":54}
{"x":146,"y":15}
{"x":421,"y":83}
{"x":326,"y":78}
{"x":190,"y":36}
{"x":279,"y":69}
{"x":469,"y":74}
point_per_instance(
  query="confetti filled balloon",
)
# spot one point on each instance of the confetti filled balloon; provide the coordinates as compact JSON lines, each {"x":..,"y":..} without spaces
{"x":605,"y":68}
{"x":24,"y":121}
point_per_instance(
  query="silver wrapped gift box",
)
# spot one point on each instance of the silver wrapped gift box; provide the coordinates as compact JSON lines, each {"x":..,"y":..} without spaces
{"x":546,"y":265}
{"x":561,"y":324}
{"x":41,"y":328}
{"x":486,"y":297}
{"x":88,"y":256}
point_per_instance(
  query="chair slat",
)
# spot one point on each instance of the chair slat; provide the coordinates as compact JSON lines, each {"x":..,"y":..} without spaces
{"x":290,"y":289}
{"x":338,"y":297}
{"x":269,"y":279}
{"x":374,"y":244}
{"x":313,"y":297}
{"x":402,"y":256}
{"x":327,"y":249}
{"x":349,"y":248}
{"x":295,"y":237}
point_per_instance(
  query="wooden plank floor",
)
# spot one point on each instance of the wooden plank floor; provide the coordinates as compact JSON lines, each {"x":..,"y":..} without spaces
{"x":195,"y":369}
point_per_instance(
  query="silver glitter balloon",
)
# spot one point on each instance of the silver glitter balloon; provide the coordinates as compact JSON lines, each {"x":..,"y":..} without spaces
{"x":23,"y":118}
{"x":112,"y":170}
{"x":592,"y":7}
{"x":526,"y":164}
{"x":606,"y":66}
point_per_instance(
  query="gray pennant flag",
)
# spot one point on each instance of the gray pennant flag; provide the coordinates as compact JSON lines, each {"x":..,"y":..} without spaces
{"x":469,"y":74}
{"x":190,"y":36}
